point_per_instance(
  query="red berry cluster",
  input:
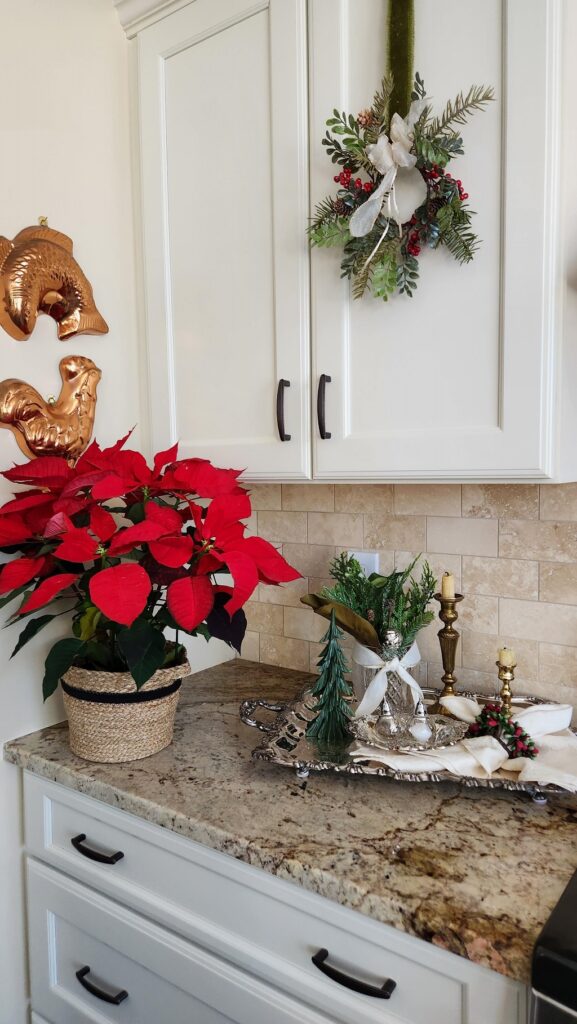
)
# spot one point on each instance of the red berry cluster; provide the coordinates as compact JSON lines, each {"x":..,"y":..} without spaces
{"x":432,"y":173}
{"x":493,"y":722}
{"x":457,"y":181}
{"x":435,"y":173}
{"x":413,"y":238}
{"x":413,"y":247}
{"x":345,"y":179}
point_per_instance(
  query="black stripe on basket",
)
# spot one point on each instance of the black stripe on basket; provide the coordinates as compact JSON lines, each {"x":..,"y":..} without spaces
{"x":104,"y":697}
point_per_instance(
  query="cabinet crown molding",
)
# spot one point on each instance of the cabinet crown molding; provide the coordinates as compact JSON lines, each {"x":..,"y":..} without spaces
{"x":135,"y":15}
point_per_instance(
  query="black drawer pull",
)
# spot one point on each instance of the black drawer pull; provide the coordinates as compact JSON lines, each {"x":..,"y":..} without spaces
{"x":102,"y":858}
{"x":116,"y":998}
{"x":324,"y":379}
{"x":384,"y":992}
{"x":282,"y":384}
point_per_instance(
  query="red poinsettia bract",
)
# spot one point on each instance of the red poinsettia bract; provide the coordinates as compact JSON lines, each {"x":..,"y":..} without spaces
{"x":131,"y":551}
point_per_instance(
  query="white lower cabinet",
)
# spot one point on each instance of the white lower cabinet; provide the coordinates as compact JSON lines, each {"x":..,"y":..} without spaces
{"x":194,"y":935}
{"x":94,"y":960}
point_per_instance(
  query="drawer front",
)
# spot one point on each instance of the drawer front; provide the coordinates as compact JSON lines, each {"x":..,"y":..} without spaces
{"x":265,"y":925}
{"x":94,"y":961}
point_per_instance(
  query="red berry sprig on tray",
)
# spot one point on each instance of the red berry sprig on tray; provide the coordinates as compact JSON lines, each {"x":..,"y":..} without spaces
{"x":493,"y":722}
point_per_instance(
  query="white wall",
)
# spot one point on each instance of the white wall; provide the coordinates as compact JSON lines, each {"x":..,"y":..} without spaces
{"x":65,"y":149}
{"x":64,"y":140}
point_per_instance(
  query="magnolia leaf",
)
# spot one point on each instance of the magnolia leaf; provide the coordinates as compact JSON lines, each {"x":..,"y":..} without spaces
{"x":359,"y":628}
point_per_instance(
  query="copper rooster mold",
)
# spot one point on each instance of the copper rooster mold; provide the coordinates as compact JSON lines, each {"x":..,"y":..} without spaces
{"x":56,"y":426}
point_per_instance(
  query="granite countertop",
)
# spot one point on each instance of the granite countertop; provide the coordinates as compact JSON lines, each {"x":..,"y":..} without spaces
{"x":472,"y":871}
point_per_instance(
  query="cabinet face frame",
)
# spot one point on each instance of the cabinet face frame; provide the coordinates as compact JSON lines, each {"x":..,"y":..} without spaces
{"x":522,"y":445}
{"x":266,"y":456}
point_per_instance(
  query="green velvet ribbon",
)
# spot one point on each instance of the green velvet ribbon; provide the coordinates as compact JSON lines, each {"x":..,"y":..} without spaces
{"x":400,"y":54}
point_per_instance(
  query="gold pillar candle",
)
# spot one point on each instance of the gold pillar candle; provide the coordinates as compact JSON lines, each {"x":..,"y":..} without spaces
{"x":506,"y":677}
{"x":448,"y":639}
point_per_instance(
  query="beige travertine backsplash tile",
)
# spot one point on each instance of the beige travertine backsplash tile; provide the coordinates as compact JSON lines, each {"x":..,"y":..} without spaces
{"x":512,"y":549}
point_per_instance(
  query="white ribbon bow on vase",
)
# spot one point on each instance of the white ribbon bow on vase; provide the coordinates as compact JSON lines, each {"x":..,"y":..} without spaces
{"x":402,"y":187}
{"x":378,"y":686}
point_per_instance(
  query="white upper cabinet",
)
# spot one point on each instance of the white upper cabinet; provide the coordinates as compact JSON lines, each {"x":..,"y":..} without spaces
{"x":467,"y":380}
{"x":457,"y":382}
{"x":223,"y":136}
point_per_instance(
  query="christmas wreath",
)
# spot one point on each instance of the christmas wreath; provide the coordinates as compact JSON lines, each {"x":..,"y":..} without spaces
{"x":395,"y":195}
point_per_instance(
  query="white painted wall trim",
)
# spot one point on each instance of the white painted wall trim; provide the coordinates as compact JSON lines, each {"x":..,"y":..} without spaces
{"x":135,"y":15}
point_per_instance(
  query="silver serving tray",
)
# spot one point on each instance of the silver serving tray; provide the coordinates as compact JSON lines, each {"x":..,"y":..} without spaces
{"x":285,"y":744}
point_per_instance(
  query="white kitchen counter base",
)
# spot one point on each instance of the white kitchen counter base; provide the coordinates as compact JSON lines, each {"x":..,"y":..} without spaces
{"x":372,"y":847}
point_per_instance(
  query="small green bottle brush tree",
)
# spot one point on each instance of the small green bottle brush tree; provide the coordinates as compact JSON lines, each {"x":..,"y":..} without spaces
{"x":330,"y":727}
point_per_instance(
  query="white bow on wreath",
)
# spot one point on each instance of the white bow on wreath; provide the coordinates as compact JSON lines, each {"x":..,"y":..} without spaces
{"x":402,"y":188}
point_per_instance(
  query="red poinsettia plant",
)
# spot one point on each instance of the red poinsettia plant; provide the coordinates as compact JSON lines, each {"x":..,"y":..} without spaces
{"x":129,"y":552}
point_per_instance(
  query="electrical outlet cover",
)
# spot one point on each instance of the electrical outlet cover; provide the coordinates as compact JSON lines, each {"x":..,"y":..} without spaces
{"x":369,"y":560}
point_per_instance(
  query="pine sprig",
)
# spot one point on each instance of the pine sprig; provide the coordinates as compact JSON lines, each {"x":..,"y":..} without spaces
{"x":459,"y":110}
{"x":379,"y":110}
{"x":325,"y":213}
{"x":461,"y":243}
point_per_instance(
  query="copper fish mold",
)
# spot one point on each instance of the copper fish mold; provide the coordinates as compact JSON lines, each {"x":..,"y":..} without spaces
{"x":61,"y":426}
{"x":38,"y":274}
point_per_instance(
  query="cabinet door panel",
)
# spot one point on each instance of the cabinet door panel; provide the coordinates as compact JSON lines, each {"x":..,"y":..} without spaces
{"x":161,"y":977}
{"x":222,"y":88}
{"x":456,"y":382}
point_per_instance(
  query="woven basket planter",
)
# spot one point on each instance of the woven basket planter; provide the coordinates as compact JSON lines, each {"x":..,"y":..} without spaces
{"x":111,"y":721}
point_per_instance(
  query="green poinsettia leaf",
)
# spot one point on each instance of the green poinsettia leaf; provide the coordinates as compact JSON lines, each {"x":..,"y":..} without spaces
{"x":144,"y":649}
{"x":30,"y":630}
{"x":58,"y":662}
{"x":6,"y":598}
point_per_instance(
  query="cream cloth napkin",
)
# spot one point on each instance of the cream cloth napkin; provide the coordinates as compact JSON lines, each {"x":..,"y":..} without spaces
{"x":482,"y":757}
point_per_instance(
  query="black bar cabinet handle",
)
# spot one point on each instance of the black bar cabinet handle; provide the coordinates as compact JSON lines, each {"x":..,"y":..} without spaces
{"x":116,"y":998}
{"x":282,"y":384}
{"x":384,"y":992}
{"x":324,"y":379}
{"x":102,"y":858}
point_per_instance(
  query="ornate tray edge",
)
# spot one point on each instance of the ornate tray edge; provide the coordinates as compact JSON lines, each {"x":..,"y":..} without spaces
{"x":303,"y":767}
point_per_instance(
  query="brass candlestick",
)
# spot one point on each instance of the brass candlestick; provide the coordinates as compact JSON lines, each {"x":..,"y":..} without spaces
{"x":506,"y":677}
{"x":448,"y":639}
